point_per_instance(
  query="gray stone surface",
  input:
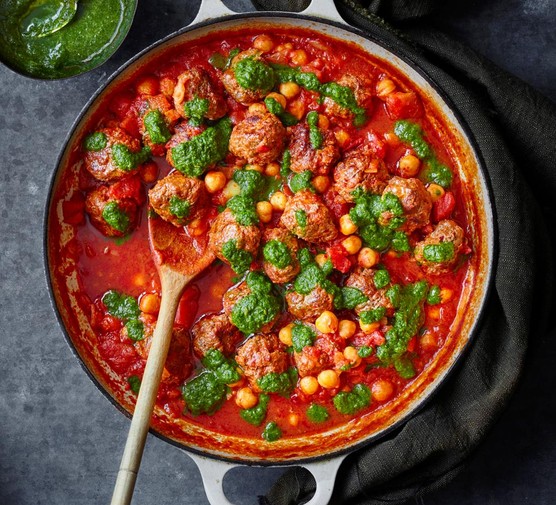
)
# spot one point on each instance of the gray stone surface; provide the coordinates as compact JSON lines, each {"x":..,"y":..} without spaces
{"x":61,"y":440}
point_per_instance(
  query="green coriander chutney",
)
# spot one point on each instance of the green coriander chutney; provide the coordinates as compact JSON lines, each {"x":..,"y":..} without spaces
{"x":39,"y":39}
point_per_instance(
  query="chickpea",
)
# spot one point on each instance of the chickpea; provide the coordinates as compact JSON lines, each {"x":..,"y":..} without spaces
{"x":167,"y":86}
{"x":293,"y":419}
{"x":149,"y":303}
{"x":149,"y":171}
{"x":369,"y":327}
{"x":434,"y":312}
{"x":350,"y":353}
{"x":215,"y":181}
{"x":368,"y":257}
{"x":278,"y":200}
{"x":299,"y":57}
{"x":324,"y":122}
{"x":246,"y":399}
{"x":285,"y":334}
{"x":409,"y":165}
{"x":384,"y":87}
{"x":196,"y":227}
{"x":254,"y":167}
{"x":428,"y":342}
{"x":272,"y":169}
{"x":391,"y":139}
{"x":263,"y":43}
{"x":321,"y":183}
{"x":257,"y":108}
{"x":382,"y":390}
{"x":289,"y":89}
{"x":321,"y":259}
{"x":327,"y":322}
{"x":231,"y":189}
{"x":148,"y":85}
{"x":346,"y":328}
{"x":140,"y":279}
{"x":342,"y":137}
{"x":281,"y":99}
{"x":309,"y":385}
{"x":436,"y":191}
{"x":297,"y":109}
{"x":264,"y":211}
{"x":352,"y":244}
{"x":347,"y":226}
{"x":446,"y":295}
{"x":328,"y":379}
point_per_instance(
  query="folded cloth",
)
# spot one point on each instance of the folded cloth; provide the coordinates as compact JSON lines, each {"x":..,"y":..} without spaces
{"x":512,"y":125}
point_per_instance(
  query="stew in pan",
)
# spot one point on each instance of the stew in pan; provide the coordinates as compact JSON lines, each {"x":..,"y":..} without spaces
{"x":323,"y":183}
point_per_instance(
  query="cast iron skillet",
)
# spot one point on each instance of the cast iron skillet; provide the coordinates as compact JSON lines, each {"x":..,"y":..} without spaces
{"x":321,"y":454}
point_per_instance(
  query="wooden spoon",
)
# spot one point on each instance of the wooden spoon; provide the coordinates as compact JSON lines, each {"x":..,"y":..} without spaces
{"x":179,"y":257}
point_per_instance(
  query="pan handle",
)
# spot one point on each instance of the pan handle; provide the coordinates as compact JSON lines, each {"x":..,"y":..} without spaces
{"x":213,"y":472}
{"x":324,"y":9}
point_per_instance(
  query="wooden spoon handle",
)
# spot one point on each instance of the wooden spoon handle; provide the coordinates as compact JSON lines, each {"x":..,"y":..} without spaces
{"x":173,"y":285}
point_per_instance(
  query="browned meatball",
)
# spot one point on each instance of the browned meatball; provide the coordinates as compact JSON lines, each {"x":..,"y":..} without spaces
{"x":184,"y":132}
{"x":215,"y":331}
{"x":362,"y":89}
{"x":310,"y":306}
{"x":113,"y":216}
{"x":360,"y":169}
{"x":234,"y":295}
{"x":276,"y":274}
{"x":197,"y":83}
{"x":325,"y":353}
{"x":101,"y":163}
{"x":237,"y":92}
{"x":178,"y":199}
{"x":179,"y":361}
{"x":260,"y":355}
{"x":363,"y":279}
{"x":305,"y":157}
{"x":259,"y":138}
{"x":225,"y":228}
{"x":415,"y":199}
{"x":308,"y":217}
{"x":160,"y":103}
{"x":446,"y":232}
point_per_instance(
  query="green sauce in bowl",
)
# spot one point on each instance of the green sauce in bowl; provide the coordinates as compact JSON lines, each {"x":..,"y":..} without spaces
{"x":52,"y":39}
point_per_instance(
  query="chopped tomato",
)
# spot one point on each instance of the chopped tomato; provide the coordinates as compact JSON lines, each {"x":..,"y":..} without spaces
{"x":188,"y":307}
{"x":130,"y":187}
{"x":377,"y":144}
{"x":339,"y":257}
{"x":331,"y":199}
{"x":130,"y":125}
{"x":120,"y":104}
{"x":403,"y":105}
{"x":443,"y":207}
{"x":411,"y":344}
{"x":120,"y":356}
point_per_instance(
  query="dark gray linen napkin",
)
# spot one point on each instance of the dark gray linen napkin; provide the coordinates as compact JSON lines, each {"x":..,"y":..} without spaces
{"x":515,"y":130}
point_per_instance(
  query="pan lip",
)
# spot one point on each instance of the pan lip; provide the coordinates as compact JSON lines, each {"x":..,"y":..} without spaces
{"x":491,"y":235}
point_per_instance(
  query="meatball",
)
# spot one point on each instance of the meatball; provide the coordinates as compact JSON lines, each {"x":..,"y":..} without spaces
{"x":240,"y":94}
{"x":310,"y":306}
{"x":305,"y":157}
{"x":363,"y":279}
{"x":415,"y":200}
{"x":197,"y":83}
{"x":215,"y":331}
{"x":178,"y":199}
{"x":226,"y":228}
{"x":113,"y":209}
{"x":325,"y":353}
{"x":362,"y":90}
{"x":446,"y":232}
{"x":101,"y":163}
{"x":234,"y":295}
{"x":260,"y":355}
{"x":274,"y":272}
{"x":360,"y":169}
{"x":259,"y":138}
{"x":184,"y":133}
{"x":161,"y":104}
{"x":308,"y":217}
{"x":179,"y":361}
